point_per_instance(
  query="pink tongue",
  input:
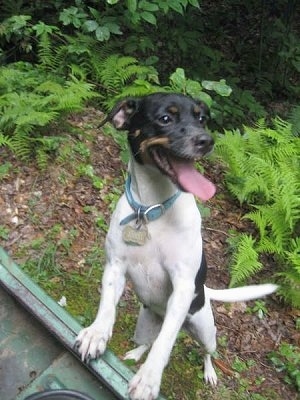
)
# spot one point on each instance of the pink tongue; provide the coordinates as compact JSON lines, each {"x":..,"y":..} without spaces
{"x":192,"y":181}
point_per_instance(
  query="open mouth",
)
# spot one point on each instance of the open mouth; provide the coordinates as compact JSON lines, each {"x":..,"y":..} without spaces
{"x":182,"y":172}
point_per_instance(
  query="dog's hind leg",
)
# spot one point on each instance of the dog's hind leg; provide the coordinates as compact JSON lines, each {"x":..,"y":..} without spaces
{"x":201,"y":326}
{"x":147,"y":328}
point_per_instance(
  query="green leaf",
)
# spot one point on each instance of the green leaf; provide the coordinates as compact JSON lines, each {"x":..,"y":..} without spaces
{"x":102,"y":33}
{"x":132,"y":5}
{"x":112,"y":2}
{"x":177,"y":79}
{"x":90,"y":25}
{"x":147,"y":6}
{"x":148,"y":17}
{"x":41,"y":28}
{"x":19,"y":21}
{"x":176,"y":6}
{"x":205,"y":98}
{"x":114,"y":28}
{"x":219,"y":87}
{"x":194,"y":3}
{"x":193,"y":88}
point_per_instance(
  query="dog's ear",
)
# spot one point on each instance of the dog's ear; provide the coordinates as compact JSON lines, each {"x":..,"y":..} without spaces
{"x":121,"y":113}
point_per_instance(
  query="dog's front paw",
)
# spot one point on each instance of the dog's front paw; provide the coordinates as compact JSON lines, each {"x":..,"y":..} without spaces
{"x":91,"y":342}
{"x":145,"y":384}
{"x":210,"y":375}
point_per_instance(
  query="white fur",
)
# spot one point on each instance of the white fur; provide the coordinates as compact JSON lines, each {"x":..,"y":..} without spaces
{"x":163,"y":274}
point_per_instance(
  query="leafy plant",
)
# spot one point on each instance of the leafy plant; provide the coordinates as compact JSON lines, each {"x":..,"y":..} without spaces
{"x":122,"y":76}
{"x":179,"y":83}
{"x":259,"y":308}
{"x":30,"y":101}
{"x":4,"y":232}
{"x":263,"y":170}
{"x":5,"y":167}
{"x":287,"y":360}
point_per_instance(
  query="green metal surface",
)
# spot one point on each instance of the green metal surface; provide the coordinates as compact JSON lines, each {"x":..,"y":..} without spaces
{"x":31,"y":359}
{"x":36,"y":345}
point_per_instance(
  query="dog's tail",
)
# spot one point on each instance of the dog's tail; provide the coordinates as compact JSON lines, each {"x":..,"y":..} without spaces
{"x":242,"y":293}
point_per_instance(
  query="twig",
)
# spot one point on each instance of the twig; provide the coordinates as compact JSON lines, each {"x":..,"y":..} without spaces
{"x":217,"y":230}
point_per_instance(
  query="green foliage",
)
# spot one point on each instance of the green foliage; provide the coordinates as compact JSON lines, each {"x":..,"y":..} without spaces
{"x":245,"y":260}
{"x":140,"y":29}
{"x":287,"y":360}
{"x":179,"y":83}
{"x":4,"y":232}
{"x":123,"y":76}
{"x":259,"y":308}
{"x":263,"y":169}
{"x":31,"y":100}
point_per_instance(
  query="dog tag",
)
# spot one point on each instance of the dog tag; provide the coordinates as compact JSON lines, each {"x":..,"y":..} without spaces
{"x":135,"y":236}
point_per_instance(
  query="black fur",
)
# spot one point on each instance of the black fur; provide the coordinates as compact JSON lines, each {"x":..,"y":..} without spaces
{"x":199,"y":300}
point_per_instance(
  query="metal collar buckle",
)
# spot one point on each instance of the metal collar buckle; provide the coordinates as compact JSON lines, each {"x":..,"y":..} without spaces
{"x":150,"y":213}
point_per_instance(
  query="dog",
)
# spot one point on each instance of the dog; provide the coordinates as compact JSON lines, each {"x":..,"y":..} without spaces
{"x":155,"y":240}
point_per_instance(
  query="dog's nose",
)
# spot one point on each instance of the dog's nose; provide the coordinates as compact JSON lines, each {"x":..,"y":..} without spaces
{"x":204,"y":142}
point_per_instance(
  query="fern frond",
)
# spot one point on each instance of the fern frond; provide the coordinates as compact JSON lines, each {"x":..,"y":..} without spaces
{"x":42,"y":158}
{"x":22,"y":145}
{"x":4,"y":140}
{"x":137,"y":89}
{"x":290,"y":286}
{"x":116,"y":72}
{"x":39,"y":118}
{"x":260,"y":221}
{"x":68,"y":97}
{"x":46,"y":55}
{"x":279,"y":232}
{"x":231,"y":148}
{"x":245,"y":260}
{"x":267,"y":246}
{"x":44,"y":146}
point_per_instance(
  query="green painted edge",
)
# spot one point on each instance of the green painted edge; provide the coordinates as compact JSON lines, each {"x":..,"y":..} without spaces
{"x":108,"y":369}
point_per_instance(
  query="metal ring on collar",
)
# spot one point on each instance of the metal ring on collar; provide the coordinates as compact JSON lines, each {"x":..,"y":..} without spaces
{"x":152,"y":208}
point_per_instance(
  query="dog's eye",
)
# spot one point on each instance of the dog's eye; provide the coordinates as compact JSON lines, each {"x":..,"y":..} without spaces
{"x":202,"y":119}
{"x":165,"y":119}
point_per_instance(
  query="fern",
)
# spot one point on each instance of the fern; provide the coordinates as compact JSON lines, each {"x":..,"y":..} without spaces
{"x":263,"y":169}
{"x":245,"y":260}
{"x":121,"y":76}
{"x":31,"y":100}
{"x":5,"y":140}
{"x":46,"y":56}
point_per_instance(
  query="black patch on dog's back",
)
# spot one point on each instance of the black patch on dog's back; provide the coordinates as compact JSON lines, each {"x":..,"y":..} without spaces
{"x":199,"y":300}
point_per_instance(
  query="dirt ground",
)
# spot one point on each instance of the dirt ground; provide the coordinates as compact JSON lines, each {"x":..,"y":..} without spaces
{"x":33,"y":201}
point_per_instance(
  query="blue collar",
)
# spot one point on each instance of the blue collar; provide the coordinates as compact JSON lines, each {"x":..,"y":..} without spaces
{"x":146,"y":213}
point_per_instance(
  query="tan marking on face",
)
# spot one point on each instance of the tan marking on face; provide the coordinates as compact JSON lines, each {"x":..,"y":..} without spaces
{"x":137,"y":133}
{"x":161,"y":141}
{"x":197,"y":110}
{"x":173,"y":110}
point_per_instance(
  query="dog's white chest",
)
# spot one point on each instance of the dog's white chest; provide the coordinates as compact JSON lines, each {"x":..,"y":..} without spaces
{"x":152,"y":265}
{"x":146,"y":266}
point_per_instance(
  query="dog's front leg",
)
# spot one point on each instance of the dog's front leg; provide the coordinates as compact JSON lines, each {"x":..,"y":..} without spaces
{"x":91,"y":341}
{"x":146,"y":383}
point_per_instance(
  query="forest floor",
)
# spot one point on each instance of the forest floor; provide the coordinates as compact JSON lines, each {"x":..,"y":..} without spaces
{"x":53,"y":224}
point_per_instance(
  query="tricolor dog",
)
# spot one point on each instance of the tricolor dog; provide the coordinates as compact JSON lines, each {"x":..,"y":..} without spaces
{"x":154,"y":239}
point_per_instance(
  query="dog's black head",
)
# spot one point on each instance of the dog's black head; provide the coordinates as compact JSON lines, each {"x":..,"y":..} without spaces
{"x":167,"y":131}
